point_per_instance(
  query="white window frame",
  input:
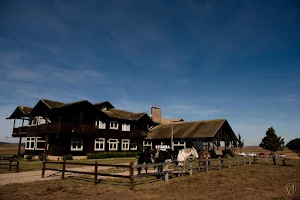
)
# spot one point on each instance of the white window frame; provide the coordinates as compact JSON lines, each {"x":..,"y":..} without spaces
{"x":134,"y":148}
{"x":125,"y":127}
{"x":34,"y":119}
{"x":100,"y":125}
{"x":147,"y":144}
{"x":111,"y":126}
{"x":125,"y":146}
{"x":179,"y":144}
{"x":113,"y":142}
{"x":38,"y":139}
{"x":77,"y":141}
{"x":99,"y":141}
{"x":30,"y":140}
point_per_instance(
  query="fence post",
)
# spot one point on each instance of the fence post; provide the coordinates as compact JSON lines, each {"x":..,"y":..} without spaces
{"x":249,"y":159}
{"x":219,"y":162}
{"x":17,"y":165}
{"x":9,"y":165}
{"x":244,"y":160}
{"x":167,"y":174}
{"x":131,"y":176}
{"x":254,"y":159}
{"x":96,"y":173}
{"x":206,"y":164}
{"x":63,"y":170}
{"x":238,"y":161}
{"x":43,"y":169}
{"x":229,"y":161}
{"x":191,"y":169}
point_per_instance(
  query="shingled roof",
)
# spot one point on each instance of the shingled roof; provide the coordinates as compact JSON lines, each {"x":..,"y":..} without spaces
{"x":169,"y":121}
{"x":122,"y":114}
{"x":53,"y":104}
{"x":20,"y":111}
{"x":196,"y":129}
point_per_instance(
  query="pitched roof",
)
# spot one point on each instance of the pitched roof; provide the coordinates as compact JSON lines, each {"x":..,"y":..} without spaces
{"x":20,"y":111}
{"x":106,"y":103}
{"x":168,"y":121}
{"x":52,"y":104}
{"x":196,"y":129}
{"x":123,"y":114}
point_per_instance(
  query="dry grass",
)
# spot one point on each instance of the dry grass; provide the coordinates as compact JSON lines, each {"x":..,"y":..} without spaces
{"x":258,"y":181}
{"x":10,"y":149}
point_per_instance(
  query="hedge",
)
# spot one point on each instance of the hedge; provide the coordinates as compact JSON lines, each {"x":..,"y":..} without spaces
{"x":102,"y":155}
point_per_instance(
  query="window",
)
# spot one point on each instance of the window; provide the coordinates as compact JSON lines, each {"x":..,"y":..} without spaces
{"x":133,"y":146}
{"x":125,"y":127}
{"x":125,"y":144}
{"x":99,"y":144}
{"x":100,"y":125}
{"x":113,"y":144}
{"x":104,"y":108}
{"x":114,"y":125}
{"x":33,"y":121}
{"x":76,"y":144}
{"x":30,"y":143}
{"x":147,"y":144}
{"x":179,"y":144}
{"x":40,"y":143}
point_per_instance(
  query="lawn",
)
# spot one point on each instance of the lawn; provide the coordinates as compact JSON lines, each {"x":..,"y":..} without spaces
{"x":257,"y":181}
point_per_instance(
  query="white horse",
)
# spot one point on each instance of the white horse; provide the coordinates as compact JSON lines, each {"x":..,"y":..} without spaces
{"x":183,"y":154}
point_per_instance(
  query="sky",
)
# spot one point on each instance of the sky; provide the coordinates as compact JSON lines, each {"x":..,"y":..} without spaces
{"x":197,"y":59}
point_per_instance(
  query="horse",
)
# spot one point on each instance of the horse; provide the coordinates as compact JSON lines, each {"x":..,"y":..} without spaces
{"x":204,"y":155}
{"x":161,"y":156}
{"x":183,"y":154}
{"x":144,"y":157}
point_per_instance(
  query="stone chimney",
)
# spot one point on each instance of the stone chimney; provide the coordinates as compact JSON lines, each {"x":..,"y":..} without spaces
{"x":156,"y":114}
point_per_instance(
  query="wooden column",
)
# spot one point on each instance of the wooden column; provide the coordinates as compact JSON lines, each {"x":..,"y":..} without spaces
{"x":14,"y":125}
{"x":45,"y":147}
{"x":20,"y":139}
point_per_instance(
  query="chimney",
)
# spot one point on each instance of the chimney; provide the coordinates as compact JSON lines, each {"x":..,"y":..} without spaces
{"x":156,"y":114}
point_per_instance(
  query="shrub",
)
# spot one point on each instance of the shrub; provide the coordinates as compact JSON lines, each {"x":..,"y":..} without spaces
{"x":67,"y":157}
{"x":29,"y":158}
{"x":226,"y":155}
{"x":41,"y":157}
{"x":102,"y":155}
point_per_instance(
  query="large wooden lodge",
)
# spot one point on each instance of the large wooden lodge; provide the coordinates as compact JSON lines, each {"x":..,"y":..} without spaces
{"x":82,"y":127}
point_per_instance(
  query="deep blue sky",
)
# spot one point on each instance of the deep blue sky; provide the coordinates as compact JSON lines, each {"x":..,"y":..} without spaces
{"x":238,"y":60}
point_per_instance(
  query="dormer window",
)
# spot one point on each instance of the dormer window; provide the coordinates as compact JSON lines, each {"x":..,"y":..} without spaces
{"x":114,"y":125}
{"x":125,"y":127}
{"x":104,"y":108}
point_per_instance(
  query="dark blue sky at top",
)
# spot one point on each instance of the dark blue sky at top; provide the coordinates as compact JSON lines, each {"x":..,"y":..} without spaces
{"x":238,"y":60}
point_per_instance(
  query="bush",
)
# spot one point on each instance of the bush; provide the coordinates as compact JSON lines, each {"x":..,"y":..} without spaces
{"x":29,"y":157}
{"x":102,"y":155}
{"x":67,"y":157}
{"x":227,"y":155}
{"x":41,"y":157}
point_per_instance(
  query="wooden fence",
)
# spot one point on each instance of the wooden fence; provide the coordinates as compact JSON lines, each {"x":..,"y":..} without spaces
{"x":3,"y":162}
{"x":189,"y":167}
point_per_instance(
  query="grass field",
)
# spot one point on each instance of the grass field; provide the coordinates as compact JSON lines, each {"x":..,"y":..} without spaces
{"x":257,"y":181}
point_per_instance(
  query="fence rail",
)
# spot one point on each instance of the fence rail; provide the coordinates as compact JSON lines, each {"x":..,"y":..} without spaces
{"x":10,"y":163}
{"x":190,"y":166}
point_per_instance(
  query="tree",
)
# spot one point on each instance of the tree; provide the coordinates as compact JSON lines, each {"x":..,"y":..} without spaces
{"x":240,"y":142}
{"x":271,"y":141}
{"x":227,"y":143}
{"x":234,"y":144}
{"x":294,"y":145}
{"x":216,"y":142}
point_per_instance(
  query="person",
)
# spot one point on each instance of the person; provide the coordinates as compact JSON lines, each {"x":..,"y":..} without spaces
{"x":274,"y":159}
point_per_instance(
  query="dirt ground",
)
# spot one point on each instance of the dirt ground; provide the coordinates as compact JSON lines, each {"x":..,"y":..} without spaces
{"x":257,"y":181}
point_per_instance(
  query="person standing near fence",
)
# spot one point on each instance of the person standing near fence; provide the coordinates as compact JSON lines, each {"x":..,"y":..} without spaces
{"x":274,"y":159}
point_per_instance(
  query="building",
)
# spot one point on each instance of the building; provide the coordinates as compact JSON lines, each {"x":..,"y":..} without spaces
{"x":178,"y":134}
{"x":79,"y":128}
